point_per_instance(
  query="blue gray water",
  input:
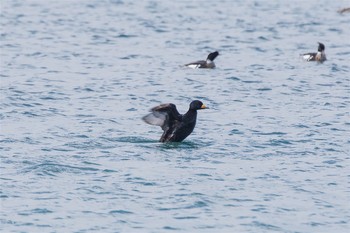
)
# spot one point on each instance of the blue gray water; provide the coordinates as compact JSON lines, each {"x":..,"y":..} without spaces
{"x":270,"y":155}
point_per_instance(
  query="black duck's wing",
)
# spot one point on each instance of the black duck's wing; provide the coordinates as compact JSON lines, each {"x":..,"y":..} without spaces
{"x":164,"y":115}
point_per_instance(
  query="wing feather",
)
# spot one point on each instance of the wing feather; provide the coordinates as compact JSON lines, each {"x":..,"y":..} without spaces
{"x":155,"y":118}
{"x":163,"y":115}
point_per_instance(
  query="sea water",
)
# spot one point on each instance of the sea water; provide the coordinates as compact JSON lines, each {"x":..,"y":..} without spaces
{"x":271,"y":154}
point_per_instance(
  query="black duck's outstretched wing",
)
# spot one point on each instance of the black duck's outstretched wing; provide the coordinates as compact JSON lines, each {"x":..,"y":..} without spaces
{"x":164,"y":115}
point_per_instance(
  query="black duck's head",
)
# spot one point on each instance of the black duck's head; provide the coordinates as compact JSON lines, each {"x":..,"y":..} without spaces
{"x":197,"y":105}
{"x":212,"y":56}
{"x":321,"y":47}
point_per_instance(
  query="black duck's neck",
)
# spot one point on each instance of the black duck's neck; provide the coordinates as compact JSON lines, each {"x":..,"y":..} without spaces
{"x":191,"y":115}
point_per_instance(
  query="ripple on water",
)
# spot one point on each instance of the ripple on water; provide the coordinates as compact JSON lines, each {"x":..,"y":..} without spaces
{"x":117,"y":212}
{"x":132,"y":139}
{"x":270,"y":155}
{"x":53,"y":169}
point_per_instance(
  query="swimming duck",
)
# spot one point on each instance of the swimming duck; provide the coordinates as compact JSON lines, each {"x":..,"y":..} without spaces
{"x":176,"y":126}
{"x":209,"y":63}
{"x":344,"y":10}
{"x":320,"y":56}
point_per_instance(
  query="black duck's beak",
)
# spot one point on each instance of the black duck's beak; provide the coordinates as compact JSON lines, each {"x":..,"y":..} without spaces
{"x":203,"y":106}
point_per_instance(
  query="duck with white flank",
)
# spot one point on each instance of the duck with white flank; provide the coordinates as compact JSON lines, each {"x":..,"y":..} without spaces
{"x":209,"y":63}
{"x":320,"y":56}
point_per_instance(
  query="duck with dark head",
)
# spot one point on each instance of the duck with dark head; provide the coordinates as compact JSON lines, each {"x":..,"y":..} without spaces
{"x":320,"y":56}
{"x":209,"y":63}
{"x":176,"y":127}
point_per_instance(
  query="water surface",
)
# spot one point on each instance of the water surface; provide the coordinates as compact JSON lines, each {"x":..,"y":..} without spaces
{"x":270,"y":155}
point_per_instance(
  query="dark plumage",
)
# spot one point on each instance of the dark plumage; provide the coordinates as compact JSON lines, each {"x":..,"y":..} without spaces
{"x":320,"y":56}
{"x":176,"y":126}
{"x":344,"y":10}
{"x":209,"y":63}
